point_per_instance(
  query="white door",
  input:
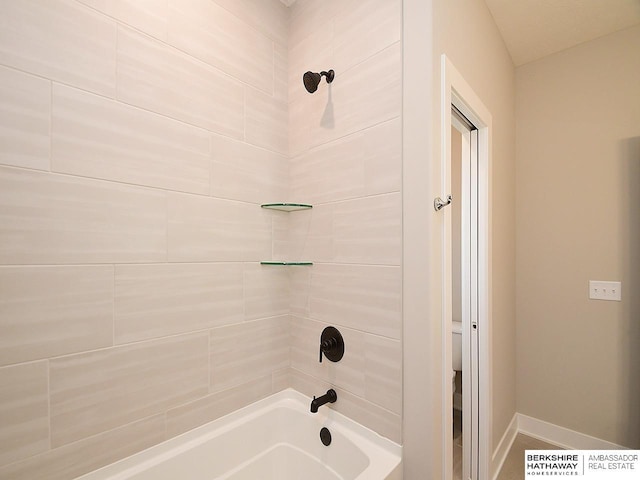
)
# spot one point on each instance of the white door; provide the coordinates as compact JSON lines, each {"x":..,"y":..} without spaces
{"x":464,"y":252}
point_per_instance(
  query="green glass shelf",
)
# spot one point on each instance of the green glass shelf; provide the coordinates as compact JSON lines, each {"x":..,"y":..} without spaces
{"x":285,"y":264}
{"x":287,"y":207}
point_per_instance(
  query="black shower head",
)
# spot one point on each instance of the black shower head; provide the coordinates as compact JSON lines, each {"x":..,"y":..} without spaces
{"x":312,"y":80}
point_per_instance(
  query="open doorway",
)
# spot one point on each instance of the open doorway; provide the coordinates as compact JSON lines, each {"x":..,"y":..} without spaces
{"x":466,"y":127}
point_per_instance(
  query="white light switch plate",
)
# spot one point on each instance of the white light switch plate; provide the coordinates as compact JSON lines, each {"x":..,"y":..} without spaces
{"x":605,"y":290}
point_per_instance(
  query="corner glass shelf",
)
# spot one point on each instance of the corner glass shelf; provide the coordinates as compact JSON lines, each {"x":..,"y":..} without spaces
{"x":284,"y":264}
{"x":287,"y":207}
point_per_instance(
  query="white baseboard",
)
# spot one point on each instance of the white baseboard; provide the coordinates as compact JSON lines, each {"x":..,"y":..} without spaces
{"x":562,"y":437}
{"x":502,"y":450}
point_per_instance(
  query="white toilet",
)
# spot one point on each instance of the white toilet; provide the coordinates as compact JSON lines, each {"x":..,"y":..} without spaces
{"x":456,"y":340}
{"x":456,"y":337}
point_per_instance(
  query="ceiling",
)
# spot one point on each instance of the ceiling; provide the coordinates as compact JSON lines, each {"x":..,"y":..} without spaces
{"x":533,"y":29}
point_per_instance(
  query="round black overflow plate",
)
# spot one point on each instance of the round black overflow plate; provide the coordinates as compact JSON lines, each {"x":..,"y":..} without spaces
{"x":325,"y":436}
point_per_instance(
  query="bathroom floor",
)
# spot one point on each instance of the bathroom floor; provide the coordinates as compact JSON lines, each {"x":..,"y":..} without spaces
{"x":513,"y":467}
{"x":457,"y":444}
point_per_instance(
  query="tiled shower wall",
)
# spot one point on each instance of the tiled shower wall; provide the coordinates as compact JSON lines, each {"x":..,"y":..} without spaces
{"x":137,"y":140}
{"x":346,"y":159}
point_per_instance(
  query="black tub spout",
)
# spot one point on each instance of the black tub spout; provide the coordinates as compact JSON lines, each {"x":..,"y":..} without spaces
{"x":329,"y":397}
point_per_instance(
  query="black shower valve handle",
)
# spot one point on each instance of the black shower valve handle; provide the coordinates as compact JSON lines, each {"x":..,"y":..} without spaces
{"x":327,"y":345}
{"x":331,"y":345}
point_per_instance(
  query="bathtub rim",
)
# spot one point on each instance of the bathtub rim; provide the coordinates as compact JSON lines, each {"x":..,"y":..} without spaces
{"x":391,"y":452}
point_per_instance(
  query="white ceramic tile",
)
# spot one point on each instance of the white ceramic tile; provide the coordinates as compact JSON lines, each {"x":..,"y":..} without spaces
{"x":24,"y":410}
{"x":101,"y":138}
{"x":105,"y":389}
{"x":363,"y":28}
{"x":271,"y":17}
{"x":366,"y":298}
{"x":266,"y":291}
{"x":348,"y":373}
{"x":51,"y":311}
{"x":211,"y":407}
{"x":246,"y":351}
{"x":46,"y":218}
{"x":88,"y":454}
{"x":162,"y":79}
{"x":368,"y":230}
{"x":209,"y":32}
{"x":383,"y":372}
{"x":210,"y":230}
{"x":25,"y":118}
{"x":149,"y":16}
{"x":364,"y":163}
{"x":266,"y":121}
{"x":159,"y":300}
{"x":62,"y":40}
{"x":281,"y":379}
{"x":244,"y":172}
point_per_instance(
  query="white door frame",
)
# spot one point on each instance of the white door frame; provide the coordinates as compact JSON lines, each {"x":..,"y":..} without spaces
{"x":456,"y":91}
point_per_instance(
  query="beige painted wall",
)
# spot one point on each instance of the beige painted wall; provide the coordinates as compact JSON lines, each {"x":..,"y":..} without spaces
{"x":578,"y":219}
{"x":466,"y":32}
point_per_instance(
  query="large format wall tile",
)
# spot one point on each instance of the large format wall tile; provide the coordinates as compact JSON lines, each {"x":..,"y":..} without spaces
{"x":214,"y":35}
{"x":149,"y":16}
{"x":162,"y":79}
{"x":160,"y":300}
{"x":271,"y":17}
{"x":243,"y":352}
{"x":349,"y":373}
{"x":96,"y":137}
{"x":363,"y":28}
{"x":105,"y":389}
{"x":89,"y":453}
{"x":211,"y":230}
{"x":353,"y":102}
{"x":383,"y":372}
{"x":368,"y":230}
{"x":24,"y":410}
{"x":211,"y":407}
{"x":266,"y":121}
{"x":244,"y":172}
{"x":61,"y":40}
{"x":364,"y":230}
{"x":361,"y":164}
{"x":366,"y":298}
{"x":25,"y":119}
{"x":48,"y":218}
{"x":51,"y":311}
{"x":378,"y":419}
{"x":266,"y":291}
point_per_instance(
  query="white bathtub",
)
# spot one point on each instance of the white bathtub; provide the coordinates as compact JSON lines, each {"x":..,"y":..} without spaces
{"x":274,"y":439}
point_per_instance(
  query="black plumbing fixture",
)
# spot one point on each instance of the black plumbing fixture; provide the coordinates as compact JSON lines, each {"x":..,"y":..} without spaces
{"x":325,"y":436}
{"x":311,"y":80}
{"x":330,"y":397}
{"x":331,"y":344}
